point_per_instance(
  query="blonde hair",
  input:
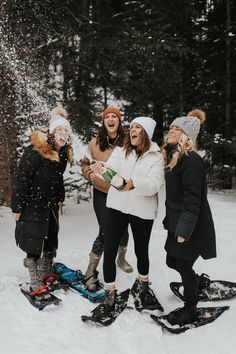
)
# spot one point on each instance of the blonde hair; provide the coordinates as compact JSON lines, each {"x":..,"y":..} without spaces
{"x":184,"y":145}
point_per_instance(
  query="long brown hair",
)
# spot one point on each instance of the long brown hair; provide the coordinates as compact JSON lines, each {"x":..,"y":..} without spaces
{"x":145,"y":144}
{"x":103,"y":139}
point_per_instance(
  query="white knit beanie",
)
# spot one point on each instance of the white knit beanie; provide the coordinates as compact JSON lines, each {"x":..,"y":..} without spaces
{"x":189,"y":125}
{"x":58,"y":119}
{"x":147,"y":123}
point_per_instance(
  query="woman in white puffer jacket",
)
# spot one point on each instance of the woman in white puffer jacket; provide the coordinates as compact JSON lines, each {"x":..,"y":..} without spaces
{"x":140,"y":163}
{"x":146,"y":173}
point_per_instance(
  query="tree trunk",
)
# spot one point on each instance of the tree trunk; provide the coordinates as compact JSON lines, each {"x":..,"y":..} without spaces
{"x":8,"y":139}
{"x":228,"y":73}
{"x":8,"y":134}
{"x":158,"y":117}
{"x":181,"y":96}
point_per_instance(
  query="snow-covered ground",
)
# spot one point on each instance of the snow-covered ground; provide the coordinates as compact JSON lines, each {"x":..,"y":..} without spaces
{"x":59,"y":329}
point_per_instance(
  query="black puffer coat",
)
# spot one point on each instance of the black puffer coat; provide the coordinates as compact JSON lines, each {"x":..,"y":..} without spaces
{"x":38,"y":189}
{"x":187,"y":210}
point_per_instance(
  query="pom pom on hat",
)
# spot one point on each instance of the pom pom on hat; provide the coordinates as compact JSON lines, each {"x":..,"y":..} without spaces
{"x":147,"y":123}
{"x":111,"y":110}
{"x":197,"y":113}
{"x":59,"y":111}
{"x":58,"y":119}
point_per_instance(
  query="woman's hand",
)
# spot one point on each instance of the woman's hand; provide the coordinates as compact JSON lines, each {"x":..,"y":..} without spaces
{"x":97,"y":167}
{"x":16,"y":216}
{"x":180,"y":239}
{"x":129,"y":185}
{"x":91,"y":176}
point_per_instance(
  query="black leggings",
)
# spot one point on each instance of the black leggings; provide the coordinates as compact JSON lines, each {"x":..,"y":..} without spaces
{"x":101,"y":211}
{"x":116,"y":225}
{"x":189,"y":279}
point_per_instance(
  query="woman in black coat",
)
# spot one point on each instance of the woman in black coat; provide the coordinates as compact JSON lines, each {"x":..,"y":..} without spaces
{"x":188,"y":217}
{"x":38,"y":193}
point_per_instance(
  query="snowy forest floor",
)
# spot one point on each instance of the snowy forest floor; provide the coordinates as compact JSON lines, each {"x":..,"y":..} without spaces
{"x":59,"y":329}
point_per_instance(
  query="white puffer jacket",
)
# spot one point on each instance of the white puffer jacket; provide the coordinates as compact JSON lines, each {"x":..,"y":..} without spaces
{"x":147,"y":174}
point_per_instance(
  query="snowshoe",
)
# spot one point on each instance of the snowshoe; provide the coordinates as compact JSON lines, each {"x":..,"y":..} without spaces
{"x":76,"y":281}
{"x":104,"y":314}
{"x":41,"y":297}
{"x":214,"y":290}
{"x":203,"y":316}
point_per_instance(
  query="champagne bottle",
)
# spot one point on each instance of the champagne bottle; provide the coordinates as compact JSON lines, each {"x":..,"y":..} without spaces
{"x":113,"y":178}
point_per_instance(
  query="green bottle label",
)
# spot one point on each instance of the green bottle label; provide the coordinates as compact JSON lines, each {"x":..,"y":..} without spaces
{"x":108,"y":174}
{"x":113,"y":178}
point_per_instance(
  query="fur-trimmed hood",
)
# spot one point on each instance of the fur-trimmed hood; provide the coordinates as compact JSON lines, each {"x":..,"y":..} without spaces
{"x":39,"y":139}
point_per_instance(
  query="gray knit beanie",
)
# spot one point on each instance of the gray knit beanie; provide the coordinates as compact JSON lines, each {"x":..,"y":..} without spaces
{"x":189,"y":125}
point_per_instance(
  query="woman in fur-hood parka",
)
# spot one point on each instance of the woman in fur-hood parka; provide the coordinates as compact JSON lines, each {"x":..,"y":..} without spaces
{"x":38,"y":193}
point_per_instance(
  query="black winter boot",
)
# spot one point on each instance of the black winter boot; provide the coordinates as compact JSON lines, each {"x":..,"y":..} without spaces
{"x":144,"y":297}
{"x":183,"y":315}
{"x":203,"y":281}
{"x":107,"y":305}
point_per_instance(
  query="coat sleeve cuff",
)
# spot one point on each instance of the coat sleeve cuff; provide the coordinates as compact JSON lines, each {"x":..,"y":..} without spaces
{"x":186,"y":225}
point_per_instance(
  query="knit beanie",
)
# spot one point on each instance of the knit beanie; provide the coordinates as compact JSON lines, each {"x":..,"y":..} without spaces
{"x":190,"y":126}
{"x":58,"y":119}
{"x":111,"y":110}
{"x":147,"y":123}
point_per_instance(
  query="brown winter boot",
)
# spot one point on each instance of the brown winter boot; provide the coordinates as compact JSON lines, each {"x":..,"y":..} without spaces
{"x":91,"y":278}
{"x":31,"y":264}
{"x":122,"y":262}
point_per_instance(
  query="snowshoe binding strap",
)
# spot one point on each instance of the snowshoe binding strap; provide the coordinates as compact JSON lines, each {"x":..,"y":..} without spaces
{"x":40,"y":290}
{"x":50,"y":278}
{"x":79,"y":275}
{"x":204,"y":281}
{"x":92,"y":279}
{"x":53,"y":282}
